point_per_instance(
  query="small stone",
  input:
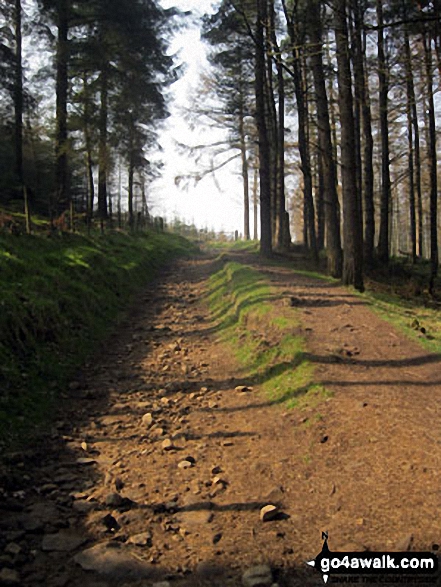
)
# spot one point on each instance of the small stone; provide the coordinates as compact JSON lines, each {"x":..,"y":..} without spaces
{"x":258,"y":576}
{"x":13,"y":548}
{"x":62,"y":542}
{"x":167,"y":444}
{"x":216,"y":470}
{"x":113,"y":500}
{"x":85,"y":461}
{"x":113,"y":562}
{"x":243,"y":388}
{"x":142,"y":539}
{"x":9,"y":577}
{"x":147,"y":419}
{"x":83,"y":507}
{"x":84,"y":446}
{"x":185,"y":465}
{"x":48,"y":488}
{"x":119,"y":484}
{"x":217,"y":538}
{"x":268,"y":513}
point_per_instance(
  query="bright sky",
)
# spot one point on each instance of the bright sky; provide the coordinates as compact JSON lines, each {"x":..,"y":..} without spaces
{"x":204,"y":203}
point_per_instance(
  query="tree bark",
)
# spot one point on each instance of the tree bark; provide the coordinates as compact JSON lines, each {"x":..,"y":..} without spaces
{"x":264,"y":147}
{"x":305,"y":156}
{"x":61,"y":133}
{"x":18,"y":110}
{"x":327,"y":162}
{"x":410,"y":99}
{"x":353,"y":245}
{"x":245,"y":179}
{"x":432,"y":160}
{"x":383,"y":238}
{"x":103,"y":151}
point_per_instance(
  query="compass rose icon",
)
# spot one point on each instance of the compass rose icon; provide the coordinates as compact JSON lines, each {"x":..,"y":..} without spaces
{"x":325,"y":553}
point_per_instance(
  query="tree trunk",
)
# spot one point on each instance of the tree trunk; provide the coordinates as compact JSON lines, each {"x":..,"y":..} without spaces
{"x":353,"y":245}
{"x":264,"y":147}
{"x":410,"y":137}
{"x":89,"y":158}
{"x":383,"y":239}
{"x":103,"y":154}
{"x":18,"y":108}
{"x":305,"y":156}
{"x":255,"y":202}
{"x":245,"y":180}
{"x":432,"y":160}
{"x":61,"y":133}
{"x":280,"y":207}
{"x":327,"y":162}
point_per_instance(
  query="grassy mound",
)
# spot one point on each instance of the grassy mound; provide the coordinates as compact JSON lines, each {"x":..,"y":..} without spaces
{"x":58,"y":298}
{"x":264,"y":335}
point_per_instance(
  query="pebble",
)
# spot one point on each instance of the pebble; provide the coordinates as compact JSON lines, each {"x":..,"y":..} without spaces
{"x":12,"y":548}
{"x":141,"y":539}
{"x":243,"y":388}
{"x":185,"y":465}
{"x":113,"y":562}
{"x":167,"y":444}
{"x":113,"y":500}
{"x":258,"y":576}
{"x":9,"y":577}
{"x":62,"y":542}
{"x":85,"y":461}
{"x":147,"y":419}
{"x":268,"y":513}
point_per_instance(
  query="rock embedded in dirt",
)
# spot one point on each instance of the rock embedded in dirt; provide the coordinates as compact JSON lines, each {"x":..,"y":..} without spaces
{"x":243,"y":388}
{"x":114,"y":500}
{"x":62,"y":542}
{"x":268,"y":513}
{"x":258,"y":576}
{"x":141,"y":539}
{"x":167,"y":444}
{"x":85,"y":461}
{"x":185,"y":464}
{"x":12,"y":548}
{"x":9,"y":577}
{"x":114,"y":562}
{"x":147,"y":419}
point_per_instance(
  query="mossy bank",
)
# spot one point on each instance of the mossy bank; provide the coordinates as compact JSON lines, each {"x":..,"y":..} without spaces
{"x":59,"y":297}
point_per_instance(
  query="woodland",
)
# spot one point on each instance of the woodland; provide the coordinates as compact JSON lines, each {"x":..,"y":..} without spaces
{"x":331,"y":106}
{"x":179,"y":413}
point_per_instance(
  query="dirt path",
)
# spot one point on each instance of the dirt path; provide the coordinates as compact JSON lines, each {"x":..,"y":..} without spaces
{"x":157,"y":468}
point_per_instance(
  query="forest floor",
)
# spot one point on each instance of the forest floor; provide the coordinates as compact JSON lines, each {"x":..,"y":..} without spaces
{"x":159,"y":462}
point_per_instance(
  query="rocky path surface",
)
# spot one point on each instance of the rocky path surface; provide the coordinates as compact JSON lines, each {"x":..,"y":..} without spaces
{"x":163,"y":458}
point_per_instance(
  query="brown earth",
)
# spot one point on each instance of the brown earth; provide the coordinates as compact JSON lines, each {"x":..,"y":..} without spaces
{"x":102,"y":500}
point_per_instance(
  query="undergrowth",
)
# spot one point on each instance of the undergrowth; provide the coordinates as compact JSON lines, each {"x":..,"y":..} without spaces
{"x":59,"y":297}
{"x":264,"y":336}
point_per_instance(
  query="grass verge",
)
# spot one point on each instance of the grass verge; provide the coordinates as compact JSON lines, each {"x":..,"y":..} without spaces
{"x":265,"y":336}
{"x":59,"y":297}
